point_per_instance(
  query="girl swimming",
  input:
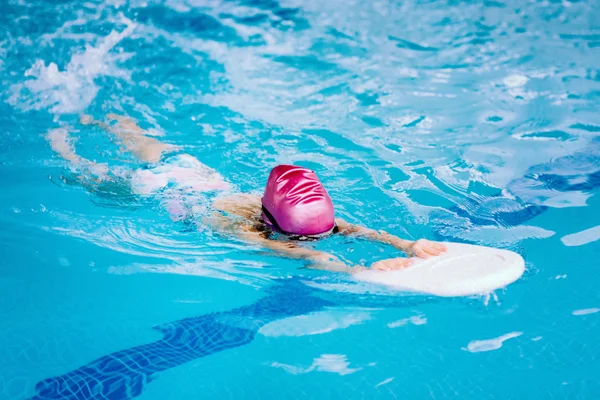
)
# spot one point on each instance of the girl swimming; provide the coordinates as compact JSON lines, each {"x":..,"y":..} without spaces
{"x":295,"y":205}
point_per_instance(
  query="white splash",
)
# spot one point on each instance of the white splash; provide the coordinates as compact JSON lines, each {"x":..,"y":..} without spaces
{"x":71,"y":90}
{"x":477,"y":346}
{"x":415,"y":320}
{"x":489,"y":296}
{"x":336,"y":363}
{"x":2,"y":53}
{"x":586,"y":311}
{"x":580,"y":238}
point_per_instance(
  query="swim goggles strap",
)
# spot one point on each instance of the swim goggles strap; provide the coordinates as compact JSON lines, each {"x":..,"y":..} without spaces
{"x":273,"y":222}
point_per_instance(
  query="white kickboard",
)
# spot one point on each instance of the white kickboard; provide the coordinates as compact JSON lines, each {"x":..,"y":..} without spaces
{"x":462,"y":271}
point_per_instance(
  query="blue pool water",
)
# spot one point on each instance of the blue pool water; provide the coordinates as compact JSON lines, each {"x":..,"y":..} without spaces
{"x":468,"y":121}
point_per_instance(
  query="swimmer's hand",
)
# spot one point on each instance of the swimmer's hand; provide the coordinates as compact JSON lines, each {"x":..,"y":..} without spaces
{"x":423,"y":248}
{"x":389,"y":264}
{"x":392,"y":263}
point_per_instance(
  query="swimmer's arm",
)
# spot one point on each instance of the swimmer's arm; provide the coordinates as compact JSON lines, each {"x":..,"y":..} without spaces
{"x":326,"y":261}
{"x":421,"y":248}
{"x":248,"y":206}
{"x":317,"y":259}
{"x":245,"y":205}
{"x":133,"y":138}
{"x":242,"y":229}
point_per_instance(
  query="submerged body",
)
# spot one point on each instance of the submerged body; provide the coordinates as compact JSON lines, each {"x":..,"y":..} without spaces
{"x":294,"y":203}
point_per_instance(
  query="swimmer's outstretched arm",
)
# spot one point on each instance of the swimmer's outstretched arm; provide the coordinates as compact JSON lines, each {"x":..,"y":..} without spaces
{"x":248,"y":207}
{"x":132,"y":137}
{"x":319,"y":259}
{"x":316,"y":259}
{"x":421,"y":248}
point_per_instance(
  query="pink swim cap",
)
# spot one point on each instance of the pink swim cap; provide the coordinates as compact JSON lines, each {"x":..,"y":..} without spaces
{"x":295,"y":202}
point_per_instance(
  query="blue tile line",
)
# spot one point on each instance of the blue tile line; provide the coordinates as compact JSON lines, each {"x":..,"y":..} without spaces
{"x":124,"y":374}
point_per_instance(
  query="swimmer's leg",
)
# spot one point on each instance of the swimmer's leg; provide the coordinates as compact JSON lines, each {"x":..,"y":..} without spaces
{"x":185,"y":171}
{"x":95,"y":177}
{"x":62,"y":144}
{"x":134,"y":139}
{"x":178,"y":179}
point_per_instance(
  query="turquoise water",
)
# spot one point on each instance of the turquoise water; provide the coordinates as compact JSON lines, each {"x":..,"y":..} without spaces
{"x":451,"y":120}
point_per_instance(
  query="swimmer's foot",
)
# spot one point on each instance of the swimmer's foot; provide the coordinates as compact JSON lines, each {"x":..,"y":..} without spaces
{"x":118,"y":118}
{"x":61,"y":143}
{"x":57,"y":138}
{"x":87,"y":119}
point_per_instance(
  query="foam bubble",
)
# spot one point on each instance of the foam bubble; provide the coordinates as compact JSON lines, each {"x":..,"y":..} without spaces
{"x":2,"y":54}
{"x":336,"y":363}
{"x":476,"y":346}
{"x":384,"y":382}
{"x":514,"y":81}
{"x":415,"y":320}
{"x":586,"y":311}
{"x":580,"y":238}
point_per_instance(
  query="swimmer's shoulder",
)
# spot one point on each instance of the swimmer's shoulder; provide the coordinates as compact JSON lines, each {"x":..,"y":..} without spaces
{"x":245,"y":205}
{"x":345,"y":227}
